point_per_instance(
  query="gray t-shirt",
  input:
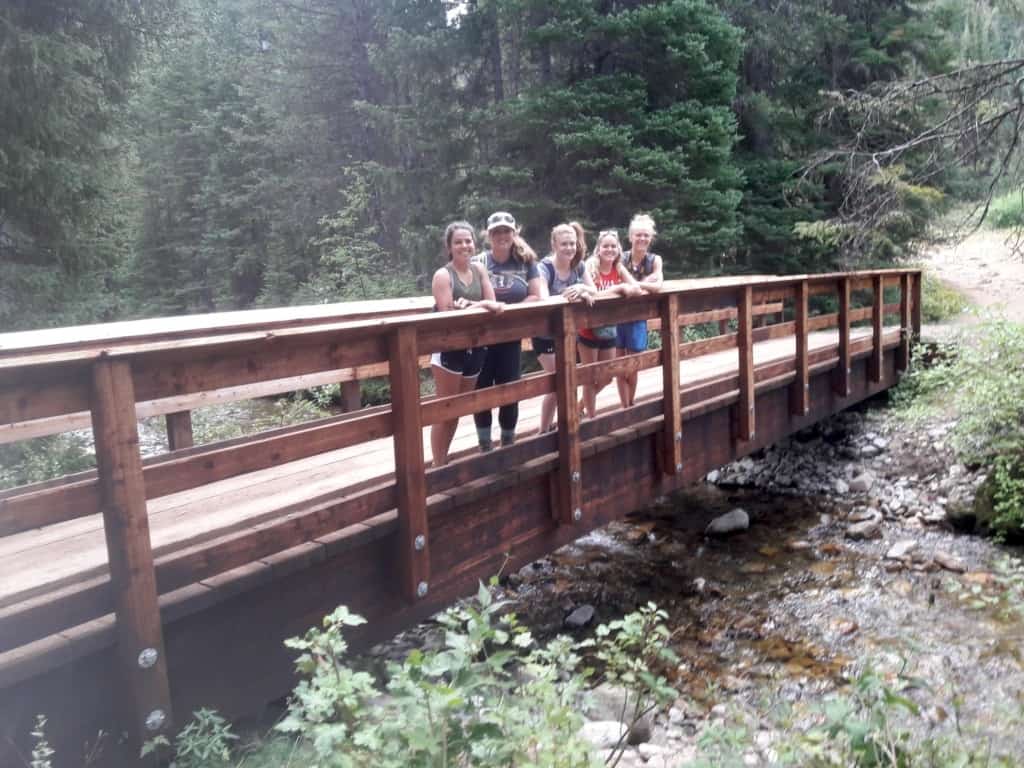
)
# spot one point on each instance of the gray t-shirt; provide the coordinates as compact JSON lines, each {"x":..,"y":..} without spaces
{"x":510,"y":279}
{"x":556,"y":284}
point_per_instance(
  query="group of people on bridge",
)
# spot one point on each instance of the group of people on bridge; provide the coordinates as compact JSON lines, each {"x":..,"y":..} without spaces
{"x":509,"y":272}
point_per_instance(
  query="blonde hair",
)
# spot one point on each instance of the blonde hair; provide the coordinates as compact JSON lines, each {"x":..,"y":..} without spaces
{"x":601,"y":236}
{"x":575,"y":228}
{"x":642,"y":220}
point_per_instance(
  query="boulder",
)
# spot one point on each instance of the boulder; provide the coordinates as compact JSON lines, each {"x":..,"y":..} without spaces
{"x":580,"y":617}
{"x":603,"y":734}
{"x":868,"y":529}
{"x":735,"y":520}
{"x":862,"y":483}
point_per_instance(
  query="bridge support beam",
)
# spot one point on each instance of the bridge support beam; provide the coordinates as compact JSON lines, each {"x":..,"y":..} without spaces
{"x":179,"y":430}
{"x":841,"y":378}
{"x":745,"y":420}
{"x":140,"y":644}
{"x":877,"y":319}
{"x":567,"y":490}
{"x":672,"y":436}
{"x":903,"y":351}
{"x":800,"y":389}
{"x":410,"y":480}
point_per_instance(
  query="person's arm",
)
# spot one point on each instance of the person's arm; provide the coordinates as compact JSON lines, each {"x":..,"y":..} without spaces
{"x":441,"y":287}
{"x":584,"y":291}
{"x":535,"y":287}
{"x":543,"y":269}
{"x":489,"y":303}
{"x":653,"y":282}
{"x":629,"y":286}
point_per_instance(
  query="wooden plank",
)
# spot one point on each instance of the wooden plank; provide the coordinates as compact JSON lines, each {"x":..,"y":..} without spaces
{"x":745,"y":347}
{"x":413,"y":538}
{"x":617,"y":366}
{"x":821,"y":322}
{"x":703,"y":347}
{"x":800,"y":391}
{"x":672,"y":431}
{"x":877,"y":321}
{"x":179,"y":430}
{"x":351,"y":395}
{"x":62,"y":502}
{"x":774,"y":331}
{"x":140,"y":645}
{"x":915,"y":309}
{"x":455,"y":406}
{"x":567,"y":503}
{"x":841,"y":378}
{"x":903,"y":353}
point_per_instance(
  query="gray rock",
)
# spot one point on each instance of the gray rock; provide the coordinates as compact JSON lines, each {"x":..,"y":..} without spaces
{"x":713,"y":476}
{"x":603,"y":734}
{"x":868,"y":529}
{"x":860,"y":514}
{"x":840,"y":487}
{"x":901,"y":549}
{"x":862,"y":483}
{"x":580,"y":617}
{"x":735,"y":520}
{"x":949,"y":562}
{"x":870,"y":451}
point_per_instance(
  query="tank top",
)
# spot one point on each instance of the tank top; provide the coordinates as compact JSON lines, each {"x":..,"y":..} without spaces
{"x":556,"y":284}
{"x":602,"y":282}
{"x":641,"y":270}
{"x":472,"y":292}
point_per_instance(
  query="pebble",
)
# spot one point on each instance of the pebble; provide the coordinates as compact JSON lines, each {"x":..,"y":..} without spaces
{"x":868,"y":529}
{"x":901,"y":549}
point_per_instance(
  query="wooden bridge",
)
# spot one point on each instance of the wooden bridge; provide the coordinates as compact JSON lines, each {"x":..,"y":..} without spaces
{"x":155,"y":586}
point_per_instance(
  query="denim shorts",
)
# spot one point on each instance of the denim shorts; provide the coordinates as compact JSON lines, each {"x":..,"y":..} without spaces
{"x":632,"y":336}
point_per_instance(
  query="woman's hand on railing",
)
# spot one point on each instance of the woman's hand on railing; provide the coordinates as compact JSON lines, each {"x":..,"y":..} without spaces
{"x":579,"y":292}
{"x":491,"y":306}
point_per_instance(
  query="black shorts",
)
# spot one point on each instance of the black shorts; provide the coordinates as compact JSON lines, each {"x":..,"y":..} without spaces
{"x":466,"y":362}
{"x":543,"y":346}
{"x":596,"y":343}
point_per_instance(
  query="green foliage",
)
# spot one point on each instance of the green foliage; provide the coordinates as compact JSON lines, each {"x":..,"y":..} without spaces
{"x":205,"y":742}
{"x":939,"y":300}
{"x":1004,"y":595}
{"x":32,"y":461}
{"x":1007,"y":210}
{"x":981,"y":379}
{"x":466,"y":704}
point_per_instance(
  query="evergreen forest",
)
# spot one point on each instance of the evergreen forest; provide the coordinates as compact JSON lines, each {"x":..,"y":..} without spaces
{"x":177,"y":156}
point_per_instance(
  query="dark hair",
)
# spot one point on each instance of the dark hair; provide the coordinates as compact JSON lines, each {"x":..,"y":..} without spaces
{"x":581,"y":240}
{"x":449,"y":233}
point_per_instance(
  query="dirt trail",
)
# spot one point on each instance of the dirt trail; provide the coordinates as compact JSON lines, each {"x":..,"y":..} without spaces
{"x":985,"y":268}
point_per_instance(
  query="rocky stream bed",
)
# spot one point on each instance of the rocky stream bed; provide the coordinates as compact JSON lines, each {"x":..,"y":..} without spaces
{"x":787,"y":575}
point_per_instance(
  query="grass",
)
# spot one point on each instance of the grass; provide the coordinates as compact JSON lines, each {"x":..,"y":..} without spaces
{"x":1007,"y":210}
{"x":939,"y":300}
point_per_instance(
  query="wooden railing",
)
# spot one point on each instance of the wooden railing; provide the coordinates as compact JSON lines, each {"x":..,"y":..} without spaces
{"x":116,"y":383}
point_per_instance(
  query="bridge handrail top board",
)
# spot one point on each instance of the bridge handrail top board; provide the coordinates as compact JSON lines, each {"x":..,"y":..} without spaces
{"x":25,"y":349}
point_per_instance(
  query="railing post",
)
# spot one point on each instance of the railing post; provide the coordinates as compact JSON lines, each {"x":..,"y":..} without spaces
{"x":672,"y":437}
{"x":140,"y":644}
{"x":179,"y":430}
{"x":915,"y":308}
{"x":877,"y":320}
{"x":567,"y":499}
{"x":800,"y":390}
{"x":745,"y":346}
{"x":410,"y":480}
{"x":351,"y":395}
{"x":903,"y":352}
{"x":841,"y":378}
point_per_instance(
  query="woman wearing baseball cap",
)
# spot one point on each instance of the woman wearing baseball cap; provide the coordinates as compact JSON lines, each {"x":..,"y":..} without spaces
{"x":512,"y":267}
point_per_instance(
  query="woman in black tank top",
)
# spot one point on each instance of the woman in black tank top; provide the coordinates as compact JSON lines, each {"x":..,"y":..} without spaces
{"x":459,"y":284}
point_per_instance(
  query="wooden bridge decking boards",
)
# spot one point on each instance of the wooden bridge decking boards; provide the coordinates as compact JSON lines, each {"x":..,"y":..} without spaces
{"x":251,"y":540}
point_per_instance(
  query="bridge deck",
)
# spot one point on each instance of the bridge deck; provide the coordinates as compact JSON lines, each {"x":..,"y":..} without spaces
{"x":39,"y":560}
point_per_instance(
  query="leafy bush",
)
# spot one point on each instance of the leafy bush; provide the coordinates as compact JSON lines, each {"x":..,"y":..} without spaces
{"x":204,"y":743}
{"x":980,"y":378}
{"x":1007,"y":210}
{"x":33,"y":461}
{"x":939,"y":300}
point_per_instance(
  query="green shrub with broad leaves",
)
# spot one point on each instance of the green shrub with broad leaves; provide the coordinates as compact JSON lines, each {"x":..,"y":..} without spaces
{"x":978,"y":377}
